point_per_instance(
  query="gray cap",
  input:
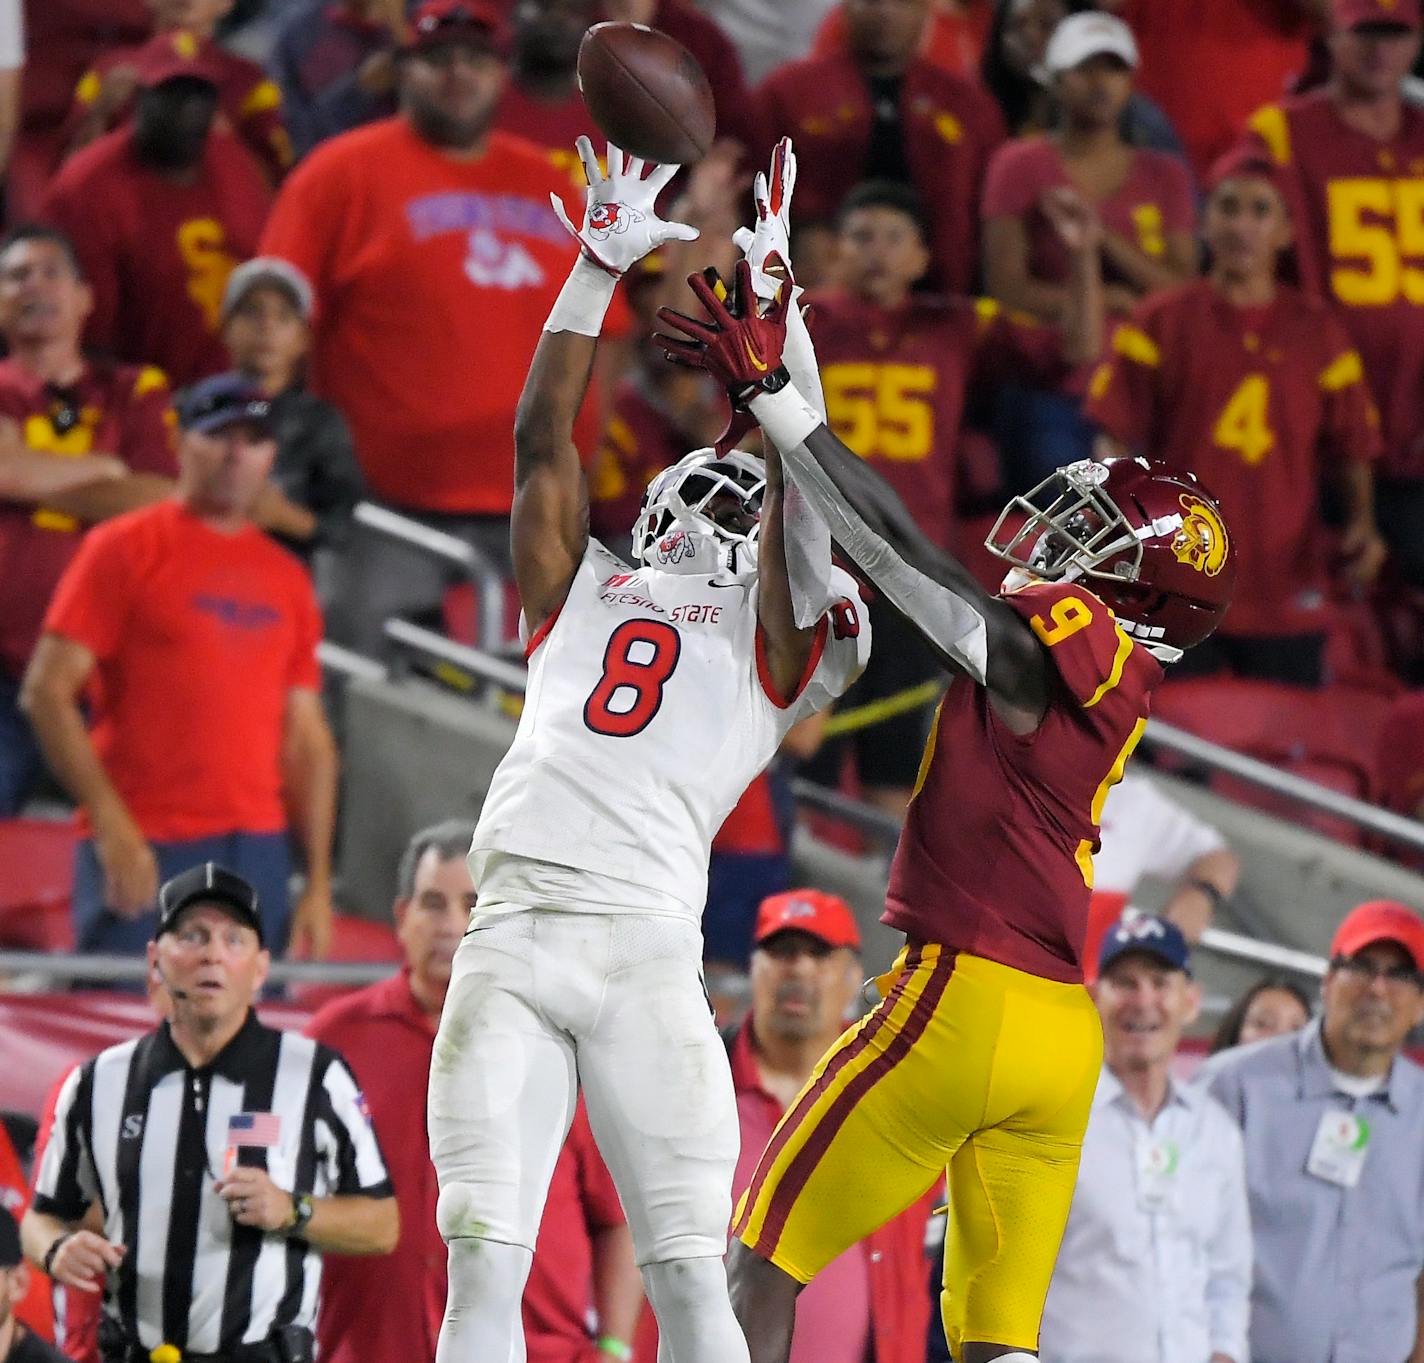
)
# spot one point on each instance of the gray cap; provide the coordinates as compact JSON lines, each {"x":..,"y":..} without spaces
{"x":271,"y":272}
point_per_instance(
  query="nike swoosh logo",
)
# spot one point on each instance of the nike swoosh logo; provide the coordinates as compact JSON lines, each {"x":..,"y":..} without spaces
{"x":710,"y":583}
{"x":753,"y":356}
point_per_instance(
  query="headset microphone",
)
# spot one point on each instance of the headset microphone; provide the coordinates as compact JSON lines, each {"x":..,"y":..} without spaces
{"x":178,"y":995}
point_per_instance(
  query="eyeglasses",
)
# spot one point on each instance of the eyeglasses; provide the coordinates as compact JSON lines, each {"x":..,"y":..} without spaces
{"x":1367,"y":972}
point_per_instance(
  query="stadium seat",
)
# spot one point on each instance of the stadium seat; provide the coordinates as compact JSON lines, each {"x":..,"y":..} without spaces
{"x":352,"y":939}
{"x":36,"y":881}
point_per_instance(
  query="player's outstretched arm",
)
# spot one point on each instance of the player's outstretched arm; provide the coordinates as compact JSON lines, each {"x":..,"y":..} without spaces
{"x":549,"y":522}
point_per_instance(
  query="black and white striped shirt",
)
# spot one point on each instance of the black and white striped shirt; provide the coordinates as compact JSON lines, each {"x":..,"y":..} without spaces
{"x":146,"y":1136}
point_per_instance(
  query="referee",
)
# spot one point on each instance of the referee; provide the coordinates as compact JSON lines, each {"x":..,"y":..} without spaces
{"x":195,"y":1174}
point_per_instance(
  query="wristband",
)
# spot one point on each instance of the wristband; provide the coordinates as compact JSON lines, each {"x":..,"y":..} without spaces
{"x":785,"y":416}
{"x":615,"y":1348}
{"x":1212,"y":892}
{"x":48,"y":1262}
{"x":583,"y":300}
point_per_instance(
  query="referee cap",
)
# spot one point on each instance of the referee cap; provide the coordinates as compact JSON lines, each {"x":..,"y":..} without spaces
{"x":208,"y":884}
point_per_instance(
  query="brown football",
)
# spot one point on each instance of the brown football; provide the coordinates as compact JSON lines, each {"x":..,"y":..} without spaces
{"x":647,"y":93}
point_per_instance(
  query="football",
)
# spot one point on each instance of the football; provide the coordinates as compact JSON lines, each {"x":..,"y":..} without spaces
{"x":647,"y":93}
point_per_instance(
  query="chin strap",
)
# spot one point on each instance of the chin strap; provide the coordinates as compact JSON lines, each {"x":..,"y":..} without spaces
{"x":947,"y":620}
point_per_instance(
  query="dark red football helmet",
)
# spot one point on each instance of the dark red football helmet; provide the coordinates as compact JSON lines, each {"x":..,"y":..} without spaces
{"x":1148,"y":539}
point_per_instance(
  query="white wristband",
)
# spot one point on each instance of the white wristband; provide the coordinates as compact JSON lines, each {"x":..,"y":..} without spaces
{"x":785,"y":416}
{"x":583,"y":300}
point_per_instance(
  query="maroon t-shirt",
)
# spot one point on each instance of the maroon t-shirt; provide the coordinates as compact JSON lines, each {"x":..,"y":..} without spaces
{"x":996,"y":855}
{"x":896,"y":382}
{"x":1153,"y":200}
{"x":1258,"y":402}
{"x":1358,"y":208}
{"x":114,"y":409}
{"x":159,"y":254}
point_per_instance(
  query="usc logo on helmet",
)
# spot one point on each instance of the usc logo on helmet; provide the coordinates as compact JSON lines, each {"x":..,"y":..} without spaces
{"x":1202,"y":542}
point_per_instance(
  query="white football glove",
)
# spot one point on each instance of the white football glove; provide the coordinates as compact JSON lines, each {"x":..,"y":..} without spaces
{"x":767,"y":247}
{"x":620,"y":222}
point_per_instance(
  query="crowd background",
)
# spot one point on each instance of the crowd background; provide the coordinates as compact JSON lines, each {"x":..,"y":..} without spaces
{"x":333,"y":216}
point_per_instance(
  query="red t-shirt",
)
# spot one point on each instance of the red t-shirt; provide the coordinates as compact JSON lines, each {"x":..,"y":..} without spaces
{"x":389,"y":1309}
{"x":951,"y":127}
{"x":159,"y":254}
{"x":199,"y":638}
{"x":1358,"y":208}
{"x":123,"y":412}
{"x":248,"y":98}
{"x":1155,"y":199}
{"x":555,"y":126}
{"x":896,"y":382}
{"x":1210,"y":63}
{"x":433,"y":277}
{"x":1257,"y":402}
{"x":996,"y":855}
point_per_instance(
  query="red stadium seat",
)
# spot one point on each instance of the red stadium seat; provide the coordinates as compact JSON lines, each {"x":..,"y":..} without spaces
{"x":352,"y":939}
{"x":36,"y":881}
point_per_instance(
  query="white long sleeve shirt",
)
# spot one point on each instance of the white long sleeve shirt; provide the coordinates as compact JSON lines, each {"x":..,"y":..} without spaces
{"x":1156,"y":1260}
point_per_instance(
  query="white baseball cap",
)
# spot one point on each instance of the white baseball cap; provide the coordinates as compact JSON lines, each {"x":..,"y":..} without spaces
{"x":1085,"y":35}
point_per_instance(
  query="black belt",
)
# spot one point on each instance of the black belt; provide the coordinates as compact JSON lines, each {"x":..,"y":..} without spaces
{"x":291,"y":1344}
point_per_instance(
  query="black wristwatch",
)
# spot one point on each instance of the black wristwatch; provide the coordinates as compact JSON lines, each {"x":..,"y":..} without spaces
{"x":55,"y":1245}
{"x":302,"y":1208}
{"x":772,"y":383}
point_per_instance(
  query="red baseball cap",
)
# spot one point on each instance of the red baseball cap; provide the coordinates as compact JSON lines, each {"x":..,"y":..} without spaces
{"x":1246,"y":163}
{"x":438,"y":21}
{"x":1354,"y":13}
{"x":170,"y":55}
{"x":825,"y":916}
{"x":1381,"y":920}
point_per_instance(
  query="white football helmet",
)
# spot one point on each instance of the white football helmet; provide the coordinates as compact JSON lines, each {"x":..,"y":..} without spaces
{"x":681,"y":529}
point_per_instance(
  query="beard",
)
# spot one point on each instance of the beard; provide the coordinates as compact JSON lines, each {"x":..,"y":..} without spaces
{"x":443,"y":129}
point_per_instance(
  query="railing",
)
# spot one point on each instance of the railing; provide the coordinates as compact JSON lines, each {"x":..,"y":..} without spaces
{"x":486,"y":579}
{"x":69,"y":966}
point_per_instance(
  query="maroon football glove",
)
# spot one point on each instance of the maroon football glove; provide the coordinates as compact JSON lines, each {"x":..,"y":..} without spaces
{"x":737,"y":345}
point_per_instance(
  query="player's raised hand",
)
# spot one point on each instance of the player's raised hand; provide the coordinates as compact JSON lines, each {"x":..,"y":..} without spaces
{"x":736,"y":343}
{"x":620,"y":222}
{"x":767,"y":246}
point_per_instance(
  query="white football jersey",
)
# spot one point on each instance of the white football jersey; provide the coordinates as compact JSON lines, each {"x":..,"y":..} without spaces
{"x":649,"y":711}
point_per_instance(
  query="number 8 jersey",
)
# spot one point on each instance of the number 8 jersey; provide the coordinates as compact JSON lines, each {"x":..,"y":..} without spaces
{"x":650,"y":708}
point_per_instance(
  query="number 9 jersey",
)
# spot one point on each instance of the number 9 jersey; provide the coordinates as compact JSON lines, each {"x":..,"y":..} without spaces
{"x":650,"y":708}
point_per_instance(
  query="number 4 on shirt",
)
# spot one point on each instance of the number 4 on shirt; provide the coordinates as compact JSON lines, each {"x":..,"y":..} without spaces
{"x":1245,"y":422}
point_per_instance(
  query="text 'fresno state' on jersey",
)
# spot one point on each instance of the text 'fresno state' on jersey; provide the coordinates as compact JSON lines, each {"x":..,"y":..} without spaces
{"x":996,"y":856}
{"x":649,"y":710}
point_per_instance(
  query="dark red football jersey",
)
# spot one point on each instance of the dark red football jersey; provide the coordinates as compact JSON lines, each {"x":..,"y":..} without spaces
{"x":1358,"y":208}
{"x":896,"y":382}
{"x":1257,"y":402}
{"x":996,"y":857}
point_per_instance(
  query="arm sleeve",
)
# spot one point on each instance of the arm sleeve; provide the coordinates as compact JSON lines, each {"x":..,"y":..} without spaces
{"x":346,"y":1138}
{"x":1351,"y":426}
{"x":65,"y":1183}
{"x":305,"y":221}
{"x":1122,"y":395}
{"x":149,"y":435}
{"x":1175,"y":836}
{"x":1229,"y":1253}
{"x":92,"y":602}
{"x":1224,"y":1084}
{"x":262,"y":126}
{"x":845,"y":651}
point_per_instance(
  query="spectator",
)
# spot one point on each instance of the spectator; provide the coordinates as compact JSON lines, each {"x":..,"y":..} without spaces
{"x":1256,"y":388}
{"x":876,"y":109}
{"x":1333,"y":1117}
{"x":63,"y":38}
{"x":336,"y":64}
{"x":1209,"y":64}
{"x":897,"y":370}
{"x":80,"y":441}
{"x":1144,"y":832}
{"x":953,"y":39}
{"x":389,"y":1310}
{"x":767,"y":33}
{"x":208,"y":737}
{"x":1144,"y":199}
{"x":12,"y":62}
{"x":541,"y":100}
{"x":1156,"y":1259}
{"x":1274,"y":1006}
{"x":872,"y":1301}
{"x":435,"y":257}
{"x":182,"y":205}
{"x":248,"y":98}
{"x":32,"y":1306}
{"x":1350,"y":155}
{"x":316,"y":479}
{"x":17,"y":1344}
{"x":1013,"y":69}
{"x":246,"y":1154}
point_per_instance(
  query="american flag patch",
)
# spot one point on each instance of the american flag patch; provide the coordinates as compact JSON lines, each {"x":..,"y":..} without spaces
{"x":262,"y":1129}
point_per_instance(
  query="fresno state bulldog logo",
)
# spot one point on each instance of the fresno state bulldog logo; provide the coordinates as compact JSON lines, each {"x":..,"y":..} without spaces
{"x":1202,"y":542}
{"x":675,"y":547}
{"x":606,"y":219}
